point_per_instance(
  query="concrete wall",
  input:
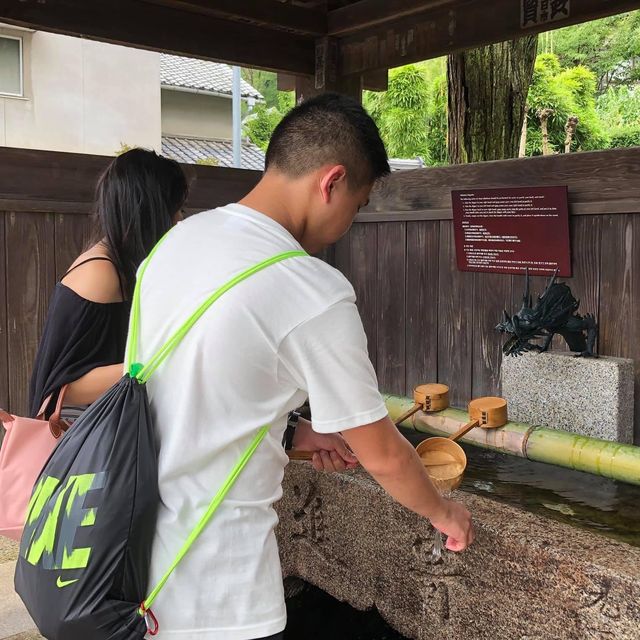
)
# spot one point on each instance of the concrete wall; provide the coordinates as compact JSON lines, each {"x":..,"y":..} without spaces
{"x":82,"y":96}
{"x":196,"y":115}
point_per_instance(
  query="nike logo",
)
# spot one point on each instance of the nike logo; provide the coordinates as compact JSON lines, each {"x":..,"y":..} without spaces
{"x":65,"y":583}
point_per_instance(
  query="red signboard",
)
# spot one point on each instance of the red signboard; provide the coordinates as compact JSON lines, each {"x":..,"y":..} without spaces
{"x":508,"y":230}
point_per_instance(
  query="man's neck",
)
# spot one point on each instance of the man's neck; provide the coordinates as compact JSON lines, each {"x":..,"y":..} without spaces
{"x":279,"y":201}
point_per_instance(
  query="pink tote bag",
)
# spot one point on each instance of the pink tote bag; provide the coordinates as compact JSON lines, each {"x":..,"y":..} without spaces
{"x":27,"y":445}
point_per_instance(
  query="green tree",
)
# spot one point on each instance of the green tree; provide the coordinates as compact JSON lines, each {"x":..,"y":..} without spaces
{"x":582,"y":85}
{"x":619,"y":107}
{"x":624,"y":137}
{"x":565,"y":93}
{"x":401,"y":113}
{"x":619,"y":111}
{"x":266,"y":82}
{"x":437,"y":126}
{"x":610,"y":47}
{"x":436,"y":75}
{"x":210,"y":161}
{"x":260,"y":123}
{"x":124,"y":147}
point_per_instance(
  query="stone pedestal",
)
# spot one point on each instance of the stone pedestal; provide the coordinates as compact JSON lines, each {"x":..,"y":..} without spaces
{"x":589,"y":396}
{"x":525,"y":577}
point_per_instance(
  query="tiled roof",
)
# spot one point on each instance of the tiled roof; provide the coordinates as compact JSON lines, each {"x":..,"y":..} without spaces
{"x":176,"y":71}
{"x":190,"y":150}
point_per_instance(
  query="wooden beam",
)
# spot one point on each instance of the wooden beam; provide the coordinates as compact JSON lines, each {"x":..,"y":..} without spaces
{"x":269,"y":13}
{"x":349,"y":86}
{"x":326,"y":64}
{"x":286,"y":82}
{"x":377,"y":80}
{"x":466,"y":24}
{"x":160,"y":28}
{"x":370,"y":13}
{"x":600,"y":182}
{"x":305,"y":88}
{"x":52,"y":181}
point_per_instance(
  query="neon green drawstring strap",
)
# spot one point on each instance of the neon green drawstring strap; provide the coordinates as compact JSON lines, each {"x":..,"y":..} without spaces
{"x":143,"y":372}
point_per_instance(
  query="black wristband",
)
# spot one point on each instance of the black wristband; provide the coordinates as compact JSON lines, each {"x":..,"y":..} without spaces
{"x":290,"y":431}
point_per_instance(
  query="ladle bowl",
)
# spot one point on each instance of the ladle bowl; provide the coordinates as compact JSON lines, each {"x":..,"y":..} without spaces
{"x":444,"y":461}
{"x":432,"y":396}
{"x":427,"y":397}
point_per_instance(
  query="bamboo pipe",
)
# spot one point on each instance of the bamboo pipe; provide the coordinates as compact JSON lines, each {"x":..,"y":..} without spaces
{"x":599,"y":457}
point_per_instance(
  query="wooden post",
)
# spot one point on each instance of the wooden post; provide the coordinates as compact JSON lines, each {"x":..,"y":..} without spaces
{"x":349,"y":86}
{"x":377,"y":80}
{"x":286,"y":82}
{"x":326,"y":76}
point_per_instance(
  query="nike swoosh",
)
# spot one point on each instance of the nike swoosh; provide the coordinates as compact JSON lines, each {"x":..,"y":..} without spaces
{"x":65,"y":583}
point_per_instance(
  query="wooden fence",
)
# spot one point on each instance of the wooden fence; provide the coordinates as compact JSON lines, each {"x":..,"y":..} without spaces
{"x":424,"y":319}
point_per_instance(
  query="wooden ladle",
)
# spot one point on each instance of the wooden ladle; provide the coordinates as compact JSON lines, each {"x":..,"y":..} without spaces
{"x":428,"y":397}
{"x":444,"y":459}
{"x":488,"y":412}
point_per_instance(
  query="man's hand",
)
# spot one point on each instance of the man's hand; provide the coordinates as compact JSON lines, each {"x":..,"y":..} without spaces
{"x":330,"y":450}
{"x":395,"y":465}
{"x":454,"y":521}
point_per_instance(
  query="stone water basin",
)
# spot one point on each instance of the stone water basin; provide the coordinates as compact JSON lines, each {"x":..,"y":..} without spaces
{"x":556,"y":556}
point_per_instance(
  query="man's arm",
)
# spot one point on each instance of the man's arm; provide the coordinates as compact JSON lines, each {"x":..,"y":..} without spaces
{"x":326,"y":356}
{"x":395,"y":465}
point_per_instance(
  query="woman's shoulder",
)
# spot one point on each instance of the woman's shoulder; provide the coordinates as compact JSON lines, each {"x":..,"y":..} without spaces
{"x":94,"y":277}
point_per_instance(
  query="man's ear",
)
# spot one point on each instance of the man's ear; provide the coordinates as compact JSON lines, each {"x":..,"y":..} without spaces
{"x":331,"y":178}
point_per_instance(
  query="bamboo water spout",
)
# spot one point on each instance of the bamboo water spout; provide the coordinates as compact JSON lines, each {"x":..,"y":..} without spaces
{"x":600,"y":457}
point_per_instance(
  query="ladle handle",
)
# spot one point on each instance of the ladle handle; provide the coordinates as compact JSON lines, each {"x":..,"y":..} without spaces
{"x":467,"y":427}
{"x":408,"y":414}
{"x":296,"y":454}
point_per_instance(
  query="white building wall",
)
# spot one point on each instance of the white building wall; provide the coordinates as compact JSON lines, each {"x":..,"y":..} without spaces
{"x":196,"y":115}
{"x":82,"y":96}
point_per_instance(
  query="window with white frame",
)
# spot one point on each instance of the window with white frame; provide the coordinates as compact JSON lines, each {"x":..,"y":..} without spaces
{"x":11,"y":66}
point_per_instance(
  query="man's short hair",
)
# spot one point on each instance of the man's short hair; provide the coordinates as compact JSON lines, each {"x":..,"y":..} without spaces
{"x":328,"y":129}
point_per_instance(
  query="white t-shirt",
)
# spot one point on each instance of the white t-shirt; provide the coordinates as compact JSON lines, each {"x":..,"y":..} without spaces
{"x":289,"y":331}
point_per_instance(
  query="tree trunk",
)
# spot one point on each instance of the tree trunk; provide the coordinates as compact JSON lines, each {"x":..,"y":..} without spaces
{"x":523,"y":136}
{"x":544,"y":115}
{"x":570,"y":130}
{"x":488,"y":90}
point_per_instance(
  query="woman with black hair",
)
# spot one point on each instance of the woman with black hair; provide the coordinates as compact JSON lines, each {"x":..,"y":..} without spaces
{"x":138,"y":199}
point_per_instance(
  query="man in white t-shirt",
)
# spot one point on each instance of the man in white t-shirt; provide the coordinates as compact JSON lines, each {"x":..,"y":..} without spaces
{"x":289,"y":332}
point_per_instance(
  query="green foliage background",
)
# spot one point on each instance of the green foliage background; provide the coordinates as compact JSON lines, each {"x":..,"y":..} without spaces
{"x":591,"y":71}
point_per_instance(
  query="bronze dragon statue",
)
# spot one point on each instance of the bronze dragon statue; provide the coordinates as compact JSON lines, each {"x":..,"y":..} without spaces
{"x":555,"y":312}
